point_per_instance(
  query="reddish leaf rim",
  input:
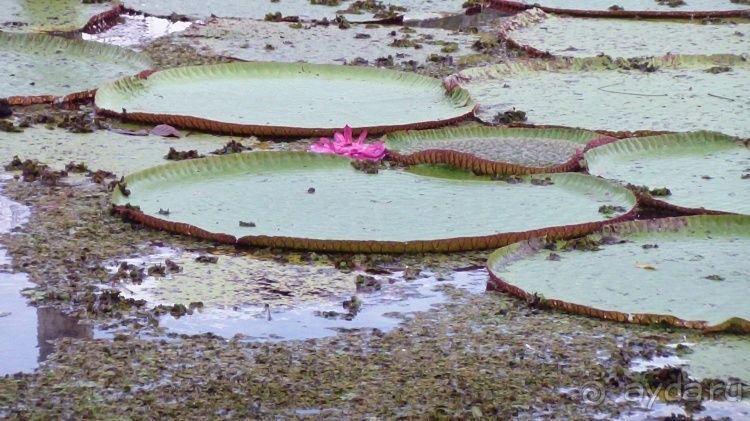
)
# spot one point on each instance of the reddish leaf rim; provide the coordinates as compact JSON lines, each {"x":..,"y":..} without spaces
{"x":481,"y":165}
{"x":449,"y":245}
{"x":211,"y":126}
{"x":496,"y":283}
{"x":509,"y":6}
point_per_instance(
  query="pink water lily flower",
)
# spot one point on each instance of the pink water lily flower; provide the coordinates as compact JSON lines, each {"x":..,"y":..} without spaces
{"x":343,"y":144}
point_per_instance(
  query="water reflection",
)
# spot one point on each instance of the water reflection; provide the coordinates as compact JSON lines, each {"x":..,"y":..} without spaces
{"x":23,"y":329}
{"x":134,"y":31}
{"x":53,"y":324}
{"x":458,"y":21}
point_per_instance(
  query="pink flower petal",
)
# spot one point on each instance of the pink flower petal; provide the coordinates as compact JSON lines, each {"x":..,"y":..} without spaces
{"x":339,"y":138}
{"x":362,"y":137}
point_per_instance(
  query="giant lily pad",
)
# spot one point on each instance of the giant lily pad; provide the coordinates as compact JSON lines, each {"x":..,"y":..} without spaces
{"x":285,"y":98}
{"x":691,"y":9}
{"x":701,"y":170}
{"x":685,"y":271}
{"x":58,"y":15}
{"x":487,"y":150}
{"x":318,"y":202}
{"x":575,"y":37}
{"x":670,"y":93}
{"x":79,"y":67}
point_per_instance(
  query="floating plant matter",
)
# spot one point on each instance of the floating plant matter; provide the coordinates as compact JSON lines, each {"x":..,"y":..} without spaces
{"x":693,"y":279}
{"x":391,"y":211}
{"x":292,"y":99}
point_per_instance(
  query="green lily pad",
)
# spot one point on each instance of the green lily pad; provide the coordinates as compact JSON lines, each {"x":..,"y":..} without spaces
{"x":57,"y":16}
{"x":273,"y":41}
{"x":293,"y":99}
{"x":124,"y":154}
{"x":571,"y":37}
{"x":486,"y":150}
{"x":670,"y":93}
{"x":701,"y":170}
{"x":80,"y":66}
{"x":657,"y":271}
{"x":319,"y":202}
{"x":629,"y":8}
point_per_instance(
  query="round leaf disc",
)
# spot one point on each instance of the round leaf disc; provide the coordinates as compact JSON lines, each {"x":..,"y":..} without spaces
{"x":687,"y":271}
{"x":701,"y":169}
{"x":669,"y":93}
{"x":574,"y":37}
{"x":319,"y":202}
{"x":285,"y":98}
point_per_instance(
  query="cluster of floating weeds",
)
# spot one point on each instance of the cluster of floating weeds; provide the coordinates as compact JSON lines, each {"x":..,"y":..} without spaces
{"x":510,"y":116}
{"x":175,"y":155}
{"x":32,"y":170}
{"x":671,"y":3}
{"x":609,"y":210}
{"x":646,"y":191}
{"x":377,"y":8}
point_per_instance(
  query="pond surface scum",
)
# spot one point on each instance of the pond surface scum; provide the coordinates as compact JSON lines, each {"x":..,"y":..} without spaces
{"x":104,"y":317}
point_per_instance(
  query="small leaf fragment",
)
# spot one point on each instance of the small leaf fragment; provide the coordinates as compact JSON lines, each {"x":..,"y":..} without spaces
{"x":645,"y":266}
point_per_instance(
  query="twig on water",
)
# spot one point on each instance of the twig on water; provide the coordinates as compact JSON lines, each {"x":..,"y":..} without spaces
{"x":625,"y":93}
{"x":722,"y":97}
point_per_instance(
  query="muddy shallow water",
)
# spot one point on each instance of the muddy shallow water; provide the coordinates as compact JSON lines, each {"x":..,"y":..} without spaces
{"x":436,"y":346}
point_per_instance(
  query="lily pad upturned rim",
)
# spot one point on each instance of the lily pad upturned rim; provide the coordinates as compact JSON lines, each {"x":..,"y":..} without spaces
{"x":457,"y":96}
{"x":443,"y":245}
{"x":103,"y":21}
{"x":479,"y":165}
{"x":512,"y":253}
{"x":511,"y":6}
{"x":18,"y":41}
{"x":652,"y":141}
